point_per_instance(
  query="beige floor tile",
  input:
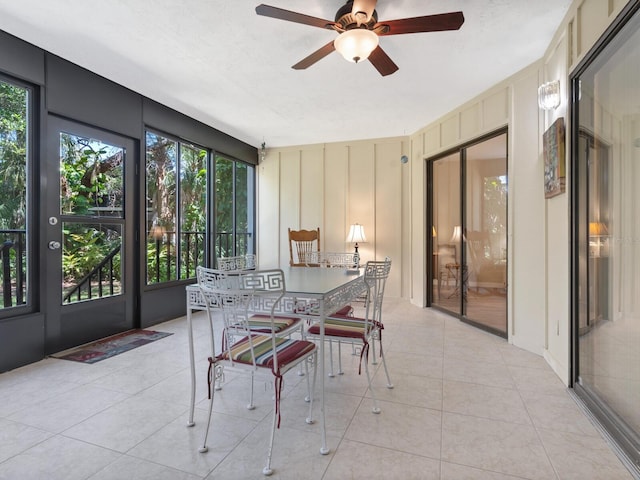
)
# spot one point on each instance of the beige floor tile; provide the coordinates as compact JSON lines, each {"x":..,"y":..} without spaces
{"x":57,"y":458}
{"x":493,"y":445}
{"x":400,"y":427}
{"x":577,"y":457}
{"x":484,"y":401}
{"x":355,"y":460}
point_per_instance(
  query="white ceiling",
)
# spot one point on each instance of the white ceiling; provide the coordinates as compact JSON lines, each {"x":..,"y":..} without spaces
{"x":221,"y":63}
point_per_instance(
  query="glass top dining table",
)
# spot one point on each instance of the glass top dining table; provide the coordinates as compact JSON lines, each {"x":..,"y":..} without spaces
{"x":322,"y":290}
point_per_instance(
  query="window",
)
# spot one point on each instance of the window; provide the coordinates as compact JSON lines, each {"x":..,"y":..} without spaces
{"x":176,"y":186}
{"x":15,"y":129}
{"x":234,"y":210}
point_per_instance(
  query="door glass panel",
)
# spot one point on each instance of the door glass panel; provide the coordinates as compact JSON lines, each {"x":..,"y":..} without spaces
{"x":14,"y":139}
{"x":91,"y":185}
{"x":446,"y":234}
{"x":91,"y":177}
{"x":91,"y":261}
{"x":607,"y":254}
{"x":486,"y":233}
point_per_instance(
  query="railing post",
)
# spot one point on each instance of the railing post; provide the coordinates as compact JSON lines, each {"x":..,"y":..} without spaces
{"x":6,"y":273}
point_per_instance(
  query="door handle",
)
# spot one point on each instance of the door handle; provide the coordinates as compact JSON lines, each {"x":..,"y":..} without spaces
{"x":53,"y":245}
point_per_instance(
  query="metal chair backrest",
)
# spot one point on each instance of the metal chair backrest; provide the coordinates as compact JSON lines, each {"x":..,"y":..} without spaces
{"x":238,"y":263}
{"x":331,"y":259}
{"x":375,"y":278}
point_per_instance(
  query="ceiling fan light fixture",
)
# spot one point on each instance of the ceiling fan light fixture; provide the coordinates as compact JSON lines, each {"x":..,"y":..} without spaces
{"x":356,"y":44}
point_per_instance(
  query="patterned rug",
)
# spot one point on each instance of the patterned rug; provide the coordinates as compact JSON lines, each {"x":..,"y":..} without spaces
{"x":111,"y":346}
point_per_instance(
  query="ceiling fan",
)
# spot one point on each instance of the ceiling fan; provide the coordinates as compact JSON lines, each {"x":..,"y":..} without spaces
{"x":357,"y":25}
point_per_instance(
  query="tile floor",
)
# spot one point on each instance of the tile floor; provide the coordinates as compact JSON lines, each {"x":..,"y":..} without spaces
{"x":466,"y":405}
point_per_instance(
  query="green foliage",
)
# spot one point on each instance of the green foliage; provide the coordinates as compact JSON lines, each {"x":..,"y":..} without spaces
{"x":13,"y":156}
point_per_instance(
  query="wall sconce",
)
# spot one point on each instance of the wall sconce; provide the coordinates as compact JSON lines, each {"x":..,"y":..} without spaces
{"x":263,"y":152}
{"x":356,"y":234}
{"x":549,"y":95}
{"x":457,"y":234}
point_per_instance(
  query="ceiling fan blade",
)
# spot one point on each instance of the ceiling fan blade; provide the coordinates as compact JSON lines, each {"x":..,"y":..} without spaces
{"x":365,"y":6}
{"x":428,"y":23}
{"x":382,"y":62}
{"x":315,"y":56}
{"x":281,"y":14}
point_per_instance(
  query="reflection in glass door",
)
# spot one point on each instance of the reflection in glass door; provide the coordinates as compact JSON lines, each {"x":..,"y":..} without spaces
{"x":606,"y":251}
{"x":486,"y":234}
{"x":469,"y":244}
{"x":446,"y":234}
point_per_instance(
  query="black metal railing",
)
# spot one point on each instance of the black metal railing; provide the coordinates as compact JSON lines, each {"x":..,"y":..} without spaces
{"x":99,"y":282}
{"x":162,"y":253}
{"x":13,"y":257}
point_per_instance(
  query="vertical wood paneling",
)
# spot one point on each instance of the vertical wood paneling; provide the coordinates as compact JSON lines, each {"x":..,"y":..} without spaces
{"x":311,"y":189}
{"x":289,"y":199}
{"x":495,"y":110}
{"x":268,"y":217}
{"x":336,"y":170}
{"x":361,"y":195}
{"x":450,"y":131}
{"x":388,"y":210}
{"x":470,"y":121}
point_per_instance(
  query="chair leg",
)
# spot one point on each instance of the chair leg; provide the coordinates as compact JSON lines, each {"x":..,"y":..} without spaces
{"x":311,"y":391}
{"x":251,"y":406}
{"x":386,"y":371}
{"x":374,"y":359}
{"x":376,"y":408}
{"x":215,"y":372}
{"x":340,"y":372}
{"x":267,"y":470}
{"x":331,"y":374}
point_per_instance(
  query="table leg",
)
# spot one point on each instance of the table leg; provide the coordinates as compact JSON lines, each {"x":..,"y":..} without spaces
{"x":192,"y":361}
{"x":324,"y":450}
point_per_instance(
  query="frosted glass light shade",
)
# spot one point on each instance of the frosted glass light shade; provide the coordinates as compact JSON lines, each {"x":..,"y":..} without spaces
{"x":356,"y":44}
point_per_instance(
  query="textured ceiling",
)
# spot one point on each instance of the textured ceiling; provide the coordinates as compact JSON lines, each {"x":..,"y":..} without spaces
{"x":221,"y":63}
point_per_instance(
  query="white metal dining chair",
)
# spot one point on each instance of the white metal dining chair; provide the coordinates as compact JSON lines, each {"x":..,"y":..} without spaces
{"x":362,"y":331}
{"x":254,"y":353}
{"x":257,"y":322}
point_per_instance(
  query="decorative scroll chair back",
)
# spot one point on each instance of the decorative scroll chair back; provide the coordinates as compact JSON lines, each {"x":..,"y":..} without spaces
{"x":375,"y":277}
{"x":331,"y":259}
{"x":238,"y":263}
{"x":301,"y":244}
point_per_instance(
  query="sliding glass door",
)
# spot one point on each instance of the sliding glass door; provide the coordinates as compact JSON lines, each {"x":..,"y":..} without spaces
{"x":469,"y":233}
{"x":606,"y":247}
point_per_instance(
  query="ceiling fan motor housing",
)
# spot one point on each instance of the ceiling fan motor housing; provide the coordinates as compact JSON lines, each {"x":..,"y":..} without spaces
{"x":348,"y":20}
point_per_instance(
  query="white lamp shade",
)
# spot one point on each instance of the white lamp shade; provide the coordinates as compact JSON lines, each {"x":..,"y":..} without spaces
{"x":356,"y":44}
{"x":457,"y":234}
{"x":356,"y":234}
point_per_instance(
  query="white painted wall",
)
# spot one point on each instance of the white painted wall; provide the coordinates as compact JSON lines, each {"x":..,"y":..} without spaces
{"x":333,"y":185}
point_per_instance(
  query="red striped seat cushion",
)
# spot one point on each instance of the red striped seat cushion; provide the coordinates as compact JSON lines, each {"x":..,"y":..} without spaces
{"x":287,"y":350}
{"x":378,"y":324}
{"x":346,"y":327}
{"x":262,"y":323}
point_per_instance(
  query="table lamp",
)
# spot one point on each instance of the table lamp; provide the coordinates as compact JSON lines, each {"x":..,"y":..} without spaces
{"x":356,"y":234}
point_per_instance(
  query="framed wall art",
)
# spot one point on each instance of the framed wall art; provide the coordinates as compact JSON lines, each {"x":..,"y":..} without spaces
{"x":554,"y":161}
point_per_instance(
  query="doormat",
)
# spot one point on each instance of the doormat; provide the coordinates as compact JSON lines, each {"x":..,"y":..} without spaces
{"x":111,"y":346}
